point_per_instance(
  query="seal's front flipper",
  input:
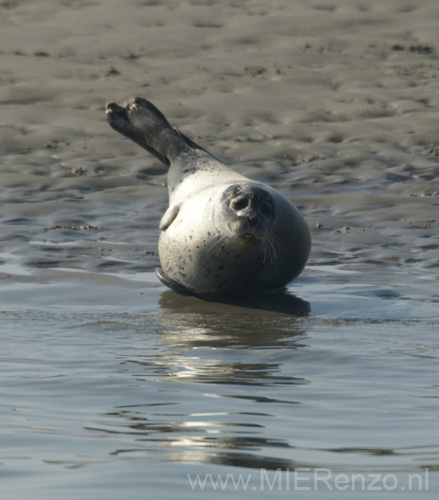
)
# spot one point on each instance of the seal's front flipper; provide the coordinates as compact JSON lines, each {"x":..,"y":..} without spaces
{"x":169,"y":217}
{"x":170,"y":283}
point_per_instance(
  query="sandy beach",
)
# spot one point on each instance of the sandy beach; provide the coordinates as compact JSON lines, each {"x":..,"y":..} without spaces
{"x":334,"y":103}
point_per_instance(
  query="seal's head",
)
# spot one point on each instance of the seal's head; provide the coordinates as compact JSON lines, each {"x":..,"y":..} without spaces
{"x":249,"y":209}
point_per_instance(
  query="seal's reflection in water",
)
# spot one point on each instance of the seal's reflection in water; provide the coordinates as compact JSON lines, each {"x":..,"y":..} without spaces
{"x":223,"y":364}
{"x":260,"y":320}
{"x":267,"y":302}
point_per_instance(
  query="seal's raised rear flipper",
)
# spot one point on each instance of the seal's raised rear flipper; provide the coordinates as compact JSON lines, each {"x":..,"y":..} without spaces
{"x":145,"y":136}
{"x":143,"y":123}
{"x":190,"y":142}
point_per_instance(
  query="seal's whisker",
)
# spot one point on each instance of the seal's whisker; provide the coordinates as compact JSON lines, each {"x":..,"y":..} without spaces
{"x":225,"y":243}
{"x":263,"y":245}
{"x":275,"y":244}
{"x":269,"y":248}
{"x":217,"y":242}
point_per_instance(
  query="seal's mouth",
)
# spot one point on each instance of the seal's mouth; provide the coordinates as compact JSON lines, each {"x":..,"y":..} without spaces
{"x":244,"y":232}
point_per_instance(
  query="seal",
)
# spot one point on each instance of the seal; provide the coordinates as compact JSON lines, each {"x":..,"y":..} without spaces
{"x":223,"y":233}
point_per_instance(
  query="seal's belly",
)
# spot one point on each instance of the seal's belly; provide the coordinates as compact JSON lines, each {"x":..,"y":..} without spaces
{"x":209,"y":262}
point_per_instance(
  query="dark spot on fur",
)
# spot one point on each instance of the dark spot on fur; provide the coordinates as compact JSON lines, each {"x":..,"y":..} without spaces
{"x":190,"y":170}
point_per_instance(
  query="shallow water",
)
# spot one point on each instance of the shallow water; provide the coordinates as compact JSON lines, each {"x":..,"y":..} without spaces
{"x":116,"y":401}
{"x":112,"y":386}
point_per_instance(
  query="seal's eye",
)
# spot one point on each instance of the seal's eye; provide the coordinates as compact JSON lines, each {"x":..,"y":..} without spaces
{"x":240,"y":204}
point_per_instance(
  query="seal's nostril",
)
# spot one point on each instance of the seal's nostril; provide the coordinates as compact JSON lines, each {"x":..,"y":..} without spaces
{"x":240,"y":204}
